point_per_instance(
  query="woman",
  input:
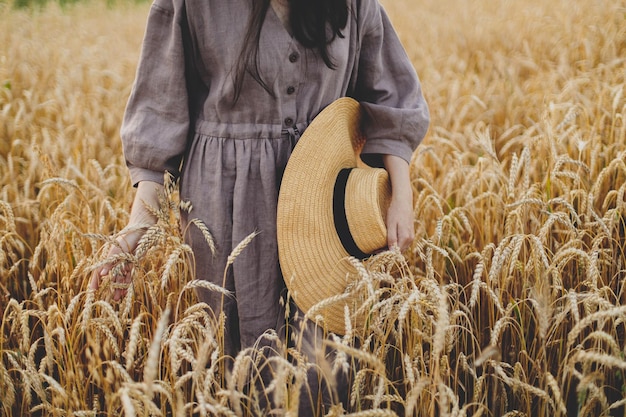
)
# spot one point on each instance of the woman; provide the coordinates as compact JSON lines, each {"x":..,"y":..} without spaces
{"x":223,"y":91}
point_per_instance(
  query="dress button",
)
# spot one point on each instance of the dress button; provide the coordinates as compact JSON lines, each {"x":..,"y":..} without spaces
{"x":288,"y":121}
{"x":291,"y":89}
{"x":293,"y":57}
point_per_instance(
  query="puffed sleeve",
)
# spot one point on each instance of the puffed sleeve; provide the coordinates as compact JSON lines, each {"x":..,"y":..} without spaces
{"x":395,"y":113}
{"x":156,"y":122}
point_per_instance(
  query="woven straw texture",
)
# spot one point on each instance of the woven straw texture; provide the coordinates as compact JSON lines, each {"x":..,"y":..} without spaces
{"x":313,"y":260}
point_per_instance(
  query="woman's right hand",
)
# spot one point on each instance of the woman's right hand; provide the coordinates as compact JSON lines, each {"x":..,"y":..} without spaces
{"x":141,"y":218}
{"x":120,"y":270}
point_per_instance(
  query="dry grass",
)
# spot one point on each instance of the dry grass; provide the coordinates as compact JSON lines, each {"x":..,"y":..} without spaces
{"x":510,"y":302}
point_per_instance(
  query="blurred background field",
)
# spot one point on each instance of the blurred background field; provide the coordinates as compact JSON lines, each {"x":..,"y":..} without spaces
{"x":510,"y":302}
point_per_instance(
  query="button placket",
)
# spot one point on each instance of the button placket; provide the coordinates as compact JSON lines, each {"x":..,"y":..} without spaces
{"x":291,"y":81}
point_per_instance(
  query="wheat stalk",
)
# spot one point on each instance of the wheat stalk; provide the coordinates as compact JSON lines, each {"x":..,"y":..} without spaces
{"x":152,"y":363}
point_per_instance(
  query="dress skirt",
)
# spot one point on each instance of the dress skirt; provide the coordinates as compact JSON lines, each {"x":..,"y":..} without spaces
{"x":232,"y":185}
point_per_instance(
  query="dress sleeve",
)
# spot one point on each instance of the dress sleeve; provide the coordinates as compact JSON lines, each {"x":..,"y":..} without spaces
{"x":395,"y":113}
{"x":156,"y":122}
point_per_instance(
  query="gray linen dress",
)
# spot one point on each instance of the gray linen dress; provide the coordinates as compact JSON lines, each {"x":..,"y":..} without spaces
{"x":181,"y":113}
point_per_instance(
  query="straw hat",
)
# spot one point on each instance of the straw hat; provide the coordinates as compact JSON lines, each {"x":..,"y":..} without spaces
{"x":331,"y":206}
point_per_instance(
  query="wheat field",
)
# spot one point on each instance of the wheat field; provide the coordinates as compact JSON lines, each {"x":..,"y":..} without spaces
{"x":509,"y":303}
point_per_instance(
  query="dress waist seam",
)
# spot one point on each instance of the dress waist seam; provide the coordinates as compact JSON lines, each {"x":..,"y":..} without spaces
{"x":246,"y":131}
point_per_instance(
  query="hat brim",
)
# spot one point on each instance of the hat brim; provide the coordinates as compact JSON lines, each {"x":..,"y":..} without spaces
{"x":313,"y":260}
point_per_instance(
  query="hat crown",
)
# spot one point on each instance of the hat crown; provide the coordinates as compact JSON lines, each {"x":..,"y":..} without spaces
{"x":366,"y":201}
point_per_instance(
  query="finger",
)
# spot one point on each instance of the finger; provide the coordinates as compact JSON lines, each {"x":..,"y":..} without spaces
{"x":406,"y":238}
{"x":96,"y":276}
{"x":119,"y":294}
{"x":392,"y":236}
{"x":124,"y":279}
{"x":94,"y":282}
{"x":404,"y":244}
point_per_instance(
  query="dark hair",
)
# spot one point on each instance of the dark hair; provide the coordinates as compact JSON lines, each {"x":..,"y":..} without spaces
{"x":314,"y":23}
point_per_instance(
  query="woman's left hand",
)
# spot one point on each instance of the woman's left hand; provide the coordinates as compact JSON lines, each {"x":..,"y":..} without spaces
{"x":400,"y":219}
{"x":400,"y":215}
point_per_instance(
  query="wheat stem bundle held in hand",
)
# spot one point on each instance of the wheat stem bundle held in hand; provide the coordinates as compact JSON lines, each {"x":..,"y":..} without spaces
{"x":141,"y":217}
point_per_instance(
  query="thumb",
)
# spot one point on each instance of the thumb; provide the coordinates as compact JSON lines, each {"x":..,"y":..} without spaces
{"x":94,"y":283}
{"x":392,"y":235}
